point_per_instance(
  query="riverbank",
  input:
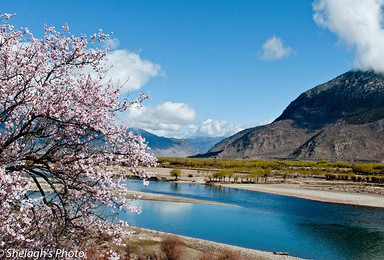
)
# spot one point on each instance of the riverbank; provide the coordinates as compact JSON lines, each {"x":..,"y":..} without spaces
{"x":305,"y":188}
{"x":161,"y":197}
{"x":143,"y":196}
{"x":145,"y":242}
{"x":330,"y":191}
{"x":339,"y":197}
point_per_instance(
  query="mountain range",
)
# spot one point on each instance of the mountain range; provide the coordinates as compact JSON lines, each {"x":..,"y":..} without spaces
{"x":341,"y":120}
{"x":173,"y":147}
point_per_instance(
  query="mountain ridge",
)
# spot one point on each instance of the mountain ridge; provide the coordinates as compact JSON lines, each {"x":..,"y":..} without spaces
{"x":174,"y":147}
{"x":341,"y":119}
{"x":166,"y":147}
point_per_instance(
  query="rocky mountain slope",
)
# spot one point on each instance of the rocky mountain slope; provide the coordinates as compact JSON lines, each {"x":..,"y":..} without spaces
{"x":167,"y":147}
{"x":341,"y":120}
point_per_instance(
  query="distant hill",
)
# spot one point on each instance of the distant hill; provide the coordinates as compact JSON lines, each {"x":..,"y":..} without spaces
{"x":342,"y":119}
{"x":167,"y":147}
{"x":205,"y":143}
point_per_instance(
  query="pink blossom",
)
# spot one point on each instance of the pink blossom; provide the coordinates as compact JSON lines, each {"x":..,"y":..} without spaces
{"x":58,"y":131}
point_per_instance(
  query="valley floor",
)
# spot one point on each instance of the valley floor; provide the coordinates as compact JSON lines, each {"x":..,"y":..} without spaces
{"x":341,"y":192}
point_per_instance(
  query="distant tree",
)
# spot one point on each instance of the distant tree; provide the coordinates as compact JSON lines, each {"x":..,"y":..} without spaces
{"x":226,"y":173}
{"x":176,"y":173}
{"x":57,"y":132}
{"x":285,"y":175}
{"x":267,"y":172}
{"x":363,"y":168}
{"x":217,"y":175}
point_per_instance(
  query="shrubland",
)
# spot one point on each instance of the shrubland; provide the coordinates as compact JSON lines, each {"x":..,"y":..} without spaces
{"x":255,"y":171}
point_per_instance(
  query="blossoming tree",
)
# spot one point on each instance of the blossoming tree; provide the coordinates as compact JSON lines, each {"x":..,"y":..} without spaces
{"x":58,"y":137}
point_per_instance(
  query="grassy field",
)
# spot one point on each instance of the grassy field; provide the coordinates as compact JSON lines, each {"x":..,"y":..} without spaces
{"x":260,"y":170}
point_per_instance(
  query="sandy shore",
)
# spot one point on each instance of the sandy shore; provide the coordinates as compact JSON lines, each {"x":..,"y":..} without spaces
{"x":340,"y":192}
{"x":161,"y":197}
{"x":193,"y":247}
{"x":356,"y":199}
{"x":147,"y":196}
{"x":339,"y":197}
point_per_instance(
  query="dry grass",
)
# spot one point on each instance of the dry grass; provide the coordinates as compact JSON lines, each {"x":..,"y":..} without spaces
{"x":229,"y":255}
{"x":172,"y":246}
{"x":225,"y":255}
{"x":152,"y":245}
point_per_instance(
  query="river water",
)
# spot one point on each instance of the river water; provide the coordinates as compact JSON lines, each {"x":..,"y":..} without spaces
{"x":263,"y":221}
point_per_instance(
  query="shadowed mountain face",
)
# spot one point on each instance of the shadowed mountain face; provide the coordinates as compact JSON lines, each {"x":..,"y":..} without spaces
{"x":338,"y":120}
{"x":354,"y":97}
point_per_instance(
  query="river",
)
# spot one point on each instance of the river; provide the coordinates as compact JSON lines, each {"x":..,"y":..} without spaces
{"x":264,"y":221}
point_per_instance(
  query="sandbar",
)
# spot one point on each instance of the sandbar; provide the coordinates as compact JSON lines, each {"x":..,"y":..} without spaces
{"x":355,"y":199}
{"x":162,"y":197}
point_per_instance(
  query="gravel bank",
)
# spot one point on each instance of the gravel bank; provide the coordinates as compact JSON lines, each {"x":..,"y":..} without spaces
{"x":340,"y":197}
{"x":202,"y":246}
{"x":161,"y":197}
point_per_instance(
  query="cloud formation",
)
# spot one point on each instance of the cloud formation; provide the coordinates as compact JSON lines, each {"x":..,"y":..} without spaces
{"x":273,"y":49}
{"x":176,"y":120}
{"x":357,"y":23}
{"x":129,"y":70}
{"x":166,"y":117}
{"x":215,"y":128}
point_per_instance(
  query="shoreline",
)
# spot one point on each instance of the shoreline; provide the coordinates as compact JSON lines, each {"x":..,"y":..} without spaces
{"x":203,"y":245}
{"x":356,"y":195}
{"x":327,"y":191}
{"x":161,"y":197}
{"x":336,"y":197}
{"x":284,"y":189}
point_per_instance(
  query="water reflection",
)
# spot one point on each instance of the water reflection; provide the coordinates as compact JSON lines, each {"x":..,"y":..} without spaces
{"x":347,"y":242}
{"x":172,"y":209}
{"x":173,"y":187}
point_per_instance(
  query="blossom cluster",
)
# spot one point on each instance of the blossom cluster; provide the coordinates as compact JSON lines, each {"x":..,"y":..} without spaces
{"x":58,"y":133}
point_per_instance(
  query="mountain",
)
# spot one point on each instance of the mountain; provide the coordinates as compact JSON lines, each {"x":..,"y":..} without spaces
{"x":205,"y":143}
{"x":341,"y":120}
{"x":166,"y":147}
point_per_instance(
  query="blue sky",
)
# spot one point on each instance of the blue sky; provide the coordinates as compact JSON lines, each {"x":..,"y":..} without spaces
{"x":203,"y":62}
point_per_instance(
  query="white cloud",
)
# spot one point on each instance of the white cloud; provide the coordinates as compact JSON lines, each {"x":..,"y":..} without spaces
{"x":177,"y":120}
{"x":357,"y":23}
{"x":215,"y":128}
{"x":165,"y":118}
{"x":273,"y":49}
{"x":129,"y":69}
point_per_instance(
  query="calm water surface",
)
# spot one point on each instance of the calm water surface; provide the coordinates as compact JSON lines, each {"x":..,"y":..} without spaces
{"x":264,"y":221}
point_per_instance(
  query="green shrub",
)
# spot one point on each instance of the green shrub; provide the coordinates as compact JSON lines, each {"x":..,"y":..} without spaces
{"x":363,"y":168}
{"x":176,"y":173}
